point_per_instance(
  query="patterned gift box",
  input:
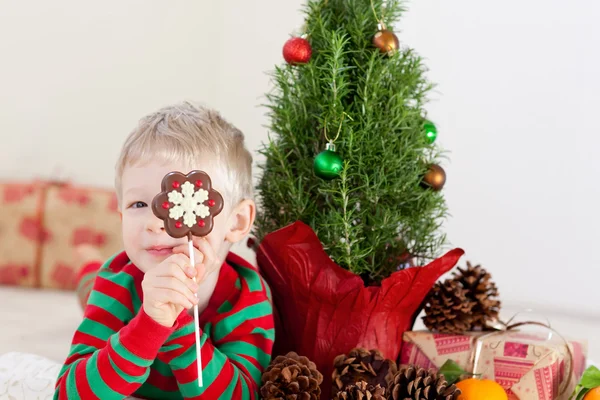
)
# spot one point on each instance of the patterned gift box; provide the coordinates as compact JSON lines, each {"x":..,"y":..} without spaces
{"x":19,"y":232}
{"x":73,"y":216}
{"x":42,"y":222}
{"x":528,"y":365}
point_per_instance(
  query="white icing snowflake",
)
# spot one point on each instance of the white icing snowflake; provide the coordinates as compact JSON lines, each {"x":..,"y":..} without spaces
{"x":189,"y":204}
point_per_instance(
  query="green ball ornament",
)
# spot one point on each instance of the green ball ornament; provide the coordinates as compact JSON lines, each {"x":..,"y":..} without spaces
{"x":430,"y":131}
{"x":328,"y":164}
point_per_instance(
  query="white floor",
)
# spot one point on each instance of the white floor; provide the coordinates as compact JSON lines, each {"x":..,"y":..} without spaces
{"x":42,"y":322}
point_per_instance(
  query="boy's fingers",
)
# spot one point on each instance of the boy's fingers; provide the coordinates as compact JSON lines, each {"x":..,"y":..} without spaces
{"x":177,"y":261}
{"x":199,"y":259}
{"x":201,"y":272}
{"x":184,"y":249}
{"x":166,"y":266}
{"x":181,"y":249}
{"x":191,"y":272}
{"x":210,"y":256}
{"x":204,"y":255}
{"x":173,"y":297}
{"x":189,"y":290}
{"x":181,"y":272}
{"x":173,"y":269}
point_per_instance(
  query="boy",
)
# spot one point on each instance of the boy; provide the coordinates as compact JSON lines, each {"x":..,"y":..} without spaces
{"x":137,"y":336}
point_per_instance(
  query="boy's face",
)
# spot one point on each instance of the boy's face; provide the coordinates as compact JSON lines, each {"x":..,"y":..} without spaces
{"x":146,"y":242}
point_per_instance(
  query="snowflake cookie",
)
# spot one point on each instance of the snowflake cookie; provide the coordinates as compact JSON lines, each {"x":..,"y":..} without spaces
{"x":187,"y":204}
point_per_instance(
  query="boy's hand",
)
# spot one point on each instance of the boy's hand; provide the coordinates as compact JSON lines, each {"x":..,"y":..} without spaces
{"x":169,"y":289}
{"x":207,"y":262}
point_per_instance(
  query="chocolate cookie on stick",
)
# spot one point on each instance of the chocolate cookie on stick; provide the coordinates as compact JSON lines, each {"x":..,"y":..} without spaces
{"x":187,"y":204}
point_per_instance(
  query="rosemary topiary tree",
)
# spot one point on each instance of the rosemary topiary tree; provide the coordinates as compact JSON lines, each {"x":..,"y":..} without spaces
{"x":373,"y":198}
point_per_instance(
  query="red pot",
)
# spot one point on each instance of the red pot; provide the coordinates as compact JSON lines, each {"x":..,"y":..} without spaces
{"x":322,"y":310}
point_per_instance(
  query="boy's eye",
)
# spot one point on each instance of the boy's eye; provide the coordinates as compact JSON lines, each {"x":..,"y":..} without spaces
{"x":138,"y":204}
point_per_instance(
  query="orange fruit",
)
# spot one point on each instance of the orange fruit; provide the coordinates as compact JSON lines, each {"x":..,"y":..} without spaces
{"x":593,"y":394}
{"x":481,"y":389}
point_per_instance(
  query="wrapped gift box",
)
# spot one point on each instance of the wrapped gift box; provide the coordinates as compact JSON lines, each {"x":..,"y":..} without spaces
{"x":73,"y":216}
{"x":19,"y":232}
{"x":41,"y":222}
{"x":528,"y":365}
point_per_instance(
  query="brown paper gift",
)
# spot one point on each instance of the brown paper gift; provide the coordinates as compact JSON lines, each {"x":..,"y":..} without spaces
{"x":76,"y":215}
{"x":20,"y":231}
{"x":527,"y":365}
{"x":42,"y":222}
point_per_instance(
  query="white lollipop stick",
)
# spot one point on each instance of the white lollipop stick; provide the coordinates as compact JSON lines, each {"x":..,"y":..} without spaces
{"x":196,"y":319}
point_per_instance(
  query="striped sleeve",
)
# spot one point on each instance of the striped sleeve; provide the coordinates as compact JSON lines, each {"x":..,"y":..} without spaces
{"x":112,"y":349}
{"x":236,"y":347}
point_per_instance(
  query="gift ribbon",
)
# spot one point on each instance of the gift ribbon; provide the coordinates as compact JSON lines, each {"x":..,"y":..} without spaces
{"x":506,"y":327}
{"x":40,"y":217}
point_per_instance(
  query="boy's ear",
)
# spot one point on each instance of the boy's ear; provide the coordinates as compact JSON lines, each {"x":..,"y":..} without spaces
{"x":241,"y":221}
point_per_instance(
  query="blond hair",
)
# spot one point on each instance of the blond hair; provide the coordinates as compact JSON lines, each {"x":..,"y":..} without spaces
{"x":185,"y":132}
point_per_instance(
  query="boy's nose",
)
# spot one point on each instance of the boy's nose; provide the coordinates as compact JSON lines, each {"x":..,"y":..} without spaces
{"x":155,"y":225}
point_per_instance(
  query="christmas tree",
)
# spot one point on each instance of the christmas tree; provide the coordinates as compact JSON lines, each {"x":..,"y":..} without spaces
{"x":351,"y":152}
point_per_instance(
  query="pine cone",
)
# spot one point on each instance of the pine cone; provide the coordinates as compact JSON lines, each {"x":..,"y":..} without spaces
{"x":448,"y":309}
{"x":291,"y":377}
{"x":415,"y":383}
{"x":361,"y":391}
{"x":482,"y":291}
{"x":362,"y":365}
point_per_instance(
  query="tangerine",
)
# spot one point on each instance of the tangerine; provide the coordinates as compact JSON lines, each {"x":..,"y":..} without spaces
{"x":480,"y":389}
{"x":593,"y":394}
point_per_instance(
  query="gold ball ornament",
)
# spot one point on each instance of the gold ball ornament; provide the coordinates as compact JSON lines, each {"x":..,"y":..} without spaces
{"x":435,"y":178}
{"x":386,"y":41}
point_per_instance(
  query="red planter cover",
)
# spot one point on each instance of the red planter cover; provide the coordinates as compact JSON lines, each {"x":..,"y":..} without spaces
{"x":323,"y":310}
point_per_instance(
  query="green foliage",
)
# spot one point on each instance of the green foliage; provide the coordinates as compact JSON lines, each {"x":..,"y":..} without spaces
{"x":589,"y":381}
{"x":452,"y":371}
{"x":376,"y":210}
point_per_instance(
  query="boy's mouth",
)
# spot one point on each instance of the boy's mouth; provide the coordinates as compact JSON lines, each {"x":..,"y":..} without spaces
{"x":160,"y":251}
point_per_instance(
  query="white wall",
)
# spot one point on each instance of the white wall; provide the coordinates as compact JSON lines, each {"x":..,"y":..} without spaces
{"x":81,"y":74}
{"x":515,"y":106}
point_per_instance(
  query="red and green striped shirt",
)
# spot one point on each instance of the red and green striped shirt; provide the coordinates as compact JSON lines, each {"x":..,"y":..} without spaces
{"x":118,"y":350}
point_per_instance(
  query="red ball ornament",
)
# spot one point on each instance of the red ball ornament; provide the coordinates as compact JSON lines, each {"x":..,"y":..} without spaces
{"x":198,"y":183}
{"x":297,"y":51}
{"x":176,"y":185}
{"x":211,"y":203}
{"x":178,"y":224}
{"x":165,"y":205}
{"x":201,"y":223}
